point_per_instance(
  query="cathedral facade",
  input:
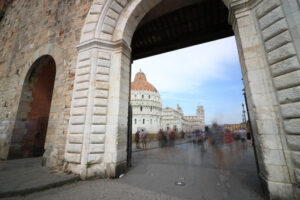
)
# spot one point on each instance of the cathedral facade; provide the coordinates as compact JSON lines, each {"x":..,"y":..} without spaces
{"x":148,"y":114}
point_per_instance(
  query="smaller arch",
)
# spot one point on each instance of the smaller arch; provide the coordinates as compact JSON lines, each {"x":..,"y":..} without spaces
{"x":29,"y":133}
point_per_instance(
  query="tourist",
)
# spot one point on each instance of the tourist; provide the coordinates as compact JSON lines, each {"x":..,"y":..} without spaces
{"x":161,"y":138}
{"x":137,"y":140}
{"x":215,"y":138}
{"x":228,"y":138}
{"x":144,"y":138}
{"x":172,"y":137}
{"x":243,"y":137}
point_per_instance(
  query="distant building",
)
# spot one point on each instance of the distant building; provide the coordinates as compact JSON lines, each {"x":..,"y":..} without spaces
{"x":147,"y":112}
{"x":146,"y":105}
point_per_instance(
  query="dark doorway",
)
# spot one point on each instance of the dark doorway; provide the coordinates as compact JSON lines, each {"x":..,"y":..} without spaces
{"x":29,"y":134}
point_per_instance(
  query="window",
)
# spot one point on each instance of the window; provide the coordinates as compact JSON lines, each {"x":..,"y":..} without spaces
{"x":151,"y":108}
{"x":135,"y":96}
{"x":141,"y":108}
{"x":149,"y":96}
{"x":142,"y":96}
{"x":150,"y":121}
{"x":135,"y":121}
{"x":143,"y":121}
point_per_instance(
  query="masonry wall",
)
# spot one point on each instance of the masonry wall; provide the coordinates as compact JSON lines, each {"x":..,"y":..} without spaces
{"x":29,"y":30}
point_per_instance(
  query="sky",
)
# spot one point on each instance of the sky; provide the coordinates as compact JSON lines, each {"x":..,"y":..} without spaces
{"x":208,"y":74}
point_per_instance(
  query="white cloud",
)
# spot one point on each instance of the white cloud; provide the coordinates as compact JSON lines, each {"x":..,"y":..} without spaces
{"x":189,"y":68}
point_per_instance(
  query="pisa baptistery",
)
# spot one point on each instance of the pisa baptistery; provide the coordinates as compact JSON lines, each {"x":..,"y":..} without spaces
{"x":146,"y":105}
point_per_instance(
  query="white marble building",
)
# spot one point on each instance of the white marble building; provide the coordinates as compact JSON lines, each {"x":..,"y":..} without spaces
{"x":146,"y":105}
{"x":147,"y":112}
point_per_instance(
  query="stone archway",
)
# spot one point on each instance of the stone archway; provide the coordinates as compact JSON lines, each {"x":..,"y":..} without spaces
{"x":30,"y":129}
{"x":270,"y":68}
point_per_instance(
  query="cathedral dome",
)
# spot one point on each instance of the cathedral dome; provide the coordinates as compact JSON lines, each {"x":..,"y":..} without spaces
{"x":140,"y":83}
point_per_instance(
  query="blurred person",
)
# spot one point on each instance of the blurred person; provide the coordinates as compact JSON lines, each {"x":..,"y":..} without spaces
{"x":137,"y":139}
{"x":228,"y":138}
{"x":216,"y":138}
{"x":161,"y":138}
{"x":172,"y":137}
{"x":144,"y":138}
{"x":243,"y":137}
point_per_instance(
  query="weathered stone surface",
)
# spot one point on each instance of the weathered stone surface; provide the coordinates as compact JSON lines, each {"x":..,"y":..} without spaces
{"x":289,"y":95}
{"x":271,"y":17}
{"x":287,"y":80}
{"x":294,"y":141}
{"x":296,"y":158}
{"x":292,"y":126}
{"x":275,"y":29}
{"x":278,"y":41}
{"x":281,"y":53}
{"x":291,"y":110}
{"x":285,"y":66}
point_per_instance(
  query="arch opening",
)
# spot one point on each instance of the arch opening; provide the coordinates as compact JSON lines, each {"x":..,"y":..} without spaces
{"x":29,"y":133}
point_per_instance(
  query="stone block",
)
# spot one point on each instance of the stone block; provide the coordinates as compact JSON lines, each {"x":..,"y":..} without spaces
{"x":265,"y":8}
{"x":289,"y":95}
{"x":99,"y":119}
{"x":280,"y":190}
{"x":78,"y":111}
{"x":293,"y":141}
{"x":74,"y":148}
{"x":102,"y":85}
{"x":101,"y":94}
{"x":285,"y":66}
{"x":81,"y":86}
{"x":296,"y":158}
{"x":82,"y":78}
{"x":112,"y":14}
{"x":83,"y":71}
{"x":79,"y":103}
{"x":281,"y":53}
{"x":273,"y":157}
{"x":116,"y":7}
{"x":103,"y":63}
{"x":276,"y":173}
{"x":271,"y":17}
{"x":287,"y":80}
{"x":107,"y":29}
{"x":76,"y":129}
{"x":95,"y":158}
{"x":96,"y":9}
{"x":122,"y":2}
{"x":77,"y":120}
{"x":100,"y":110}
{"x":292,"y":126}
{"x":110,"y":21}
{"x":103,"y":55}
{"x":98,"y":129}
{"x":100,"y":102}
{"x":270,"y":141}
{"x":297,"y":175}
{"x":291,"y":110}
{"x":103,"y":70}
{"x":275,"y":29}
{"x":97,"y":138}
{"x":73,"y":157}
{"x":81,"y":94}
{"x":84,"y":64}
{"x":278,"y":41}
{"x":75,"y":138}
{"x":96,"y":148}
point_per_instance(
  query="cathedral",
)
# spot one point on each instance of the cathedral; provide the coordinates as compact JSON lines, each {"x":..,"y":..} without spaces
{"x":148,"y":114}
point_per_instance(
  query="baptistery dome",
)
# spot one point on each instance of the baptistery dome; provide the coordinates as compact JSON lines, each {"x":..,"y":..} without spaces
{"x":146,"y":105}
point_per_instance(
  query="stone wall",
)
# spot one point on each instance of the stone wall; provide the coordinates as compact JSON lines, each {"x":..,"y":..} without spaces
{"x":29,"y":30}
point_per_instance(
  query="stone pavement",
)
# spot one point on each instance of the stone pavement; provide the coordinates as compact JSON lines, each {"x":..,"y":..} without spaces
{"x":155,"y":172}
{"x":24,"y":176}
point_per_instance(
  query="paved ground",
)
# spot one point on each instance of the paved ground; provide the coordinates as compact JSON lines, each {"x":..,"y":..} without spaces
{"x":24,"y":176}
{"x":155,"y":172}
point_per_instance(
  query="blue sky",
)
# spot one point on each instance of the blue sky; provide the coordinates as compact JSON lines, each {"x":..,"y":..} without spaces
{"x":208,"y":74}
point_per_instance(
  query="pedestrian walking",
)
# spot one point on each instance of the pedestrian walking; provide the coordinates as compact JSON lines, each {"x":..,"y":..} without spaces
{"x":144,"y":138}
{"x":137,"y":140}
{"x":216,"y":138}
{"x":228,"y":138}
